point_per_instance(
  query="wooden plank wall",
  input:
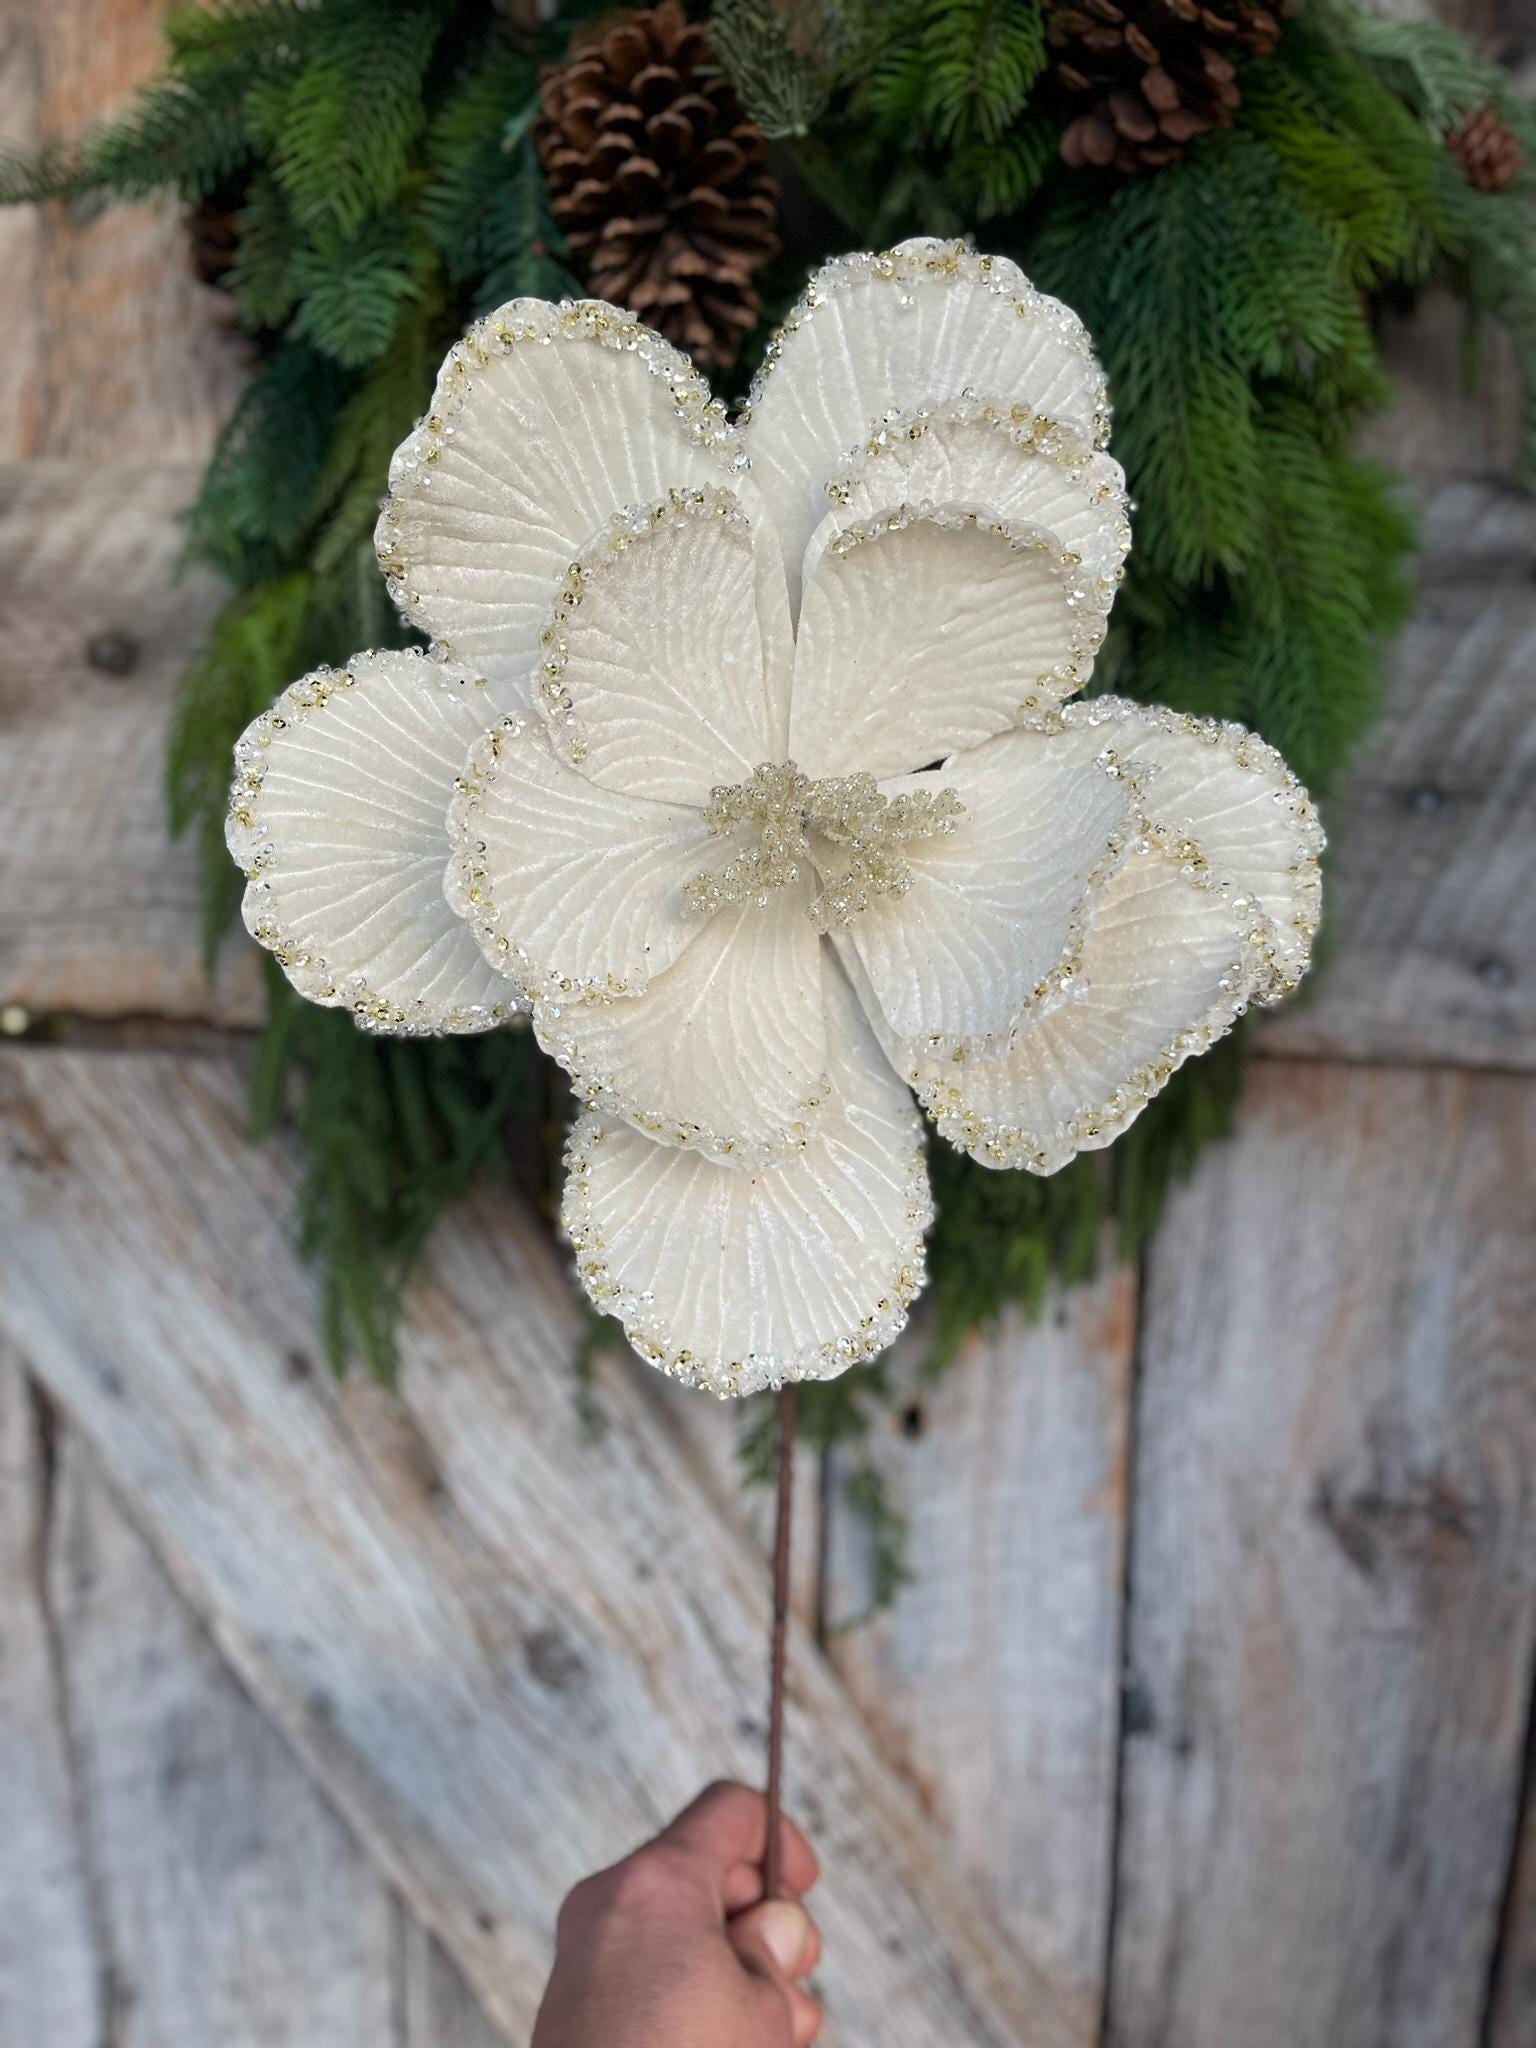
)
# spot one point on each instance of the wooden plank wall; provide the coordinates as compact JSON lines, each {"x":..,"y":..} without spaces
{"x":170,"y":1874}
{"x":1176,"y":1670}
{"x":1216,"y":1675}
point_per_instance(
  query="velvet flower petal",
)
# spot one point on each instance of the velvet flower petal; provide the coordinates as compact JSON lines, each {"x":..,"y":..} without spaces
{"x":747,"y":762}
{"x":545,"y":421}
{"x":734,"y":1279}
{"x":925,"y":631}
{"x":568,"y":885}
{"x":1214,"y":909}
{"x":656,"y":675}
{"x":337,"y":817}
{"x":726,"y":1053}
{"x":876,"y":335}
{"x":993,"y":920}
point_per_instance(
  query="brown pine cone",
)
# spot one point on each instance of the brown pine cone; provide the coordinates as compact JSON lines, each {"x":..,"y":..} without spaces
{"x":1154,"y":73}
{"x":657,"y":178}
{"x":1490,"y":152}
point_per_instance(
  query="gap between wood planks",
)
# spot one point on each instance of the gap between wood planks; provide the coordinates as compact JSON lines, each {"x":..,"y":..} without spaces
{"x":63,"y":1031}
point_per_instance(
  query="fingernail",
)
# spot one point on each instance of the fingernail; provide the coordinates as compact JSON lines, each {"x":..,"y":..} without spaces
{"x":784,"y":1930}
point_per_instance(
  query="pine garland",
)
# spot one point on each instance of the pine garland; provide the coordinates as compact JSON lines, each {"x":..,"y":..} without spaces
{"x":388,"y":191}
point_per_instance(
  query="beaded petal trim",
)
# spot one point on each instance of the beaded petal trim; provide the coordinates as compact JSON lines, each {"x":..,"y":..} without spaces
{"x":920,"y":263}
{"x":257,"y":855}
{"x":471,"y":893}
{"x":660,"y":1346}
{"x":1085,"y":598}
{"x":1062,"y":982}
{"x":521,"y":323}
{"x":1285,"y":945}
{"x":630,"y":527}
{"x":598,"y":1090}
{"x":1269,"y":956}
{"x":998,"y":1143}
{"x":1099,"y":478}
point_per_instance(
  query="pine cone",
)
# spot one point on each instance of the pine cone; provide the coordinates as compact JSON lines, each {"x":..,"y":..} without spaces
{"x":1156,"y":73}
{"x":656,"y":177}
{"x":1490,"y":152}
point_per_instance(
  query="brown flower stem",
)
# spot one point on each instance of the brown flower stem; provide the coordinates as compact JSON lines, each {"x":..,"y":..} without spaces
{"x":773,"y":1851}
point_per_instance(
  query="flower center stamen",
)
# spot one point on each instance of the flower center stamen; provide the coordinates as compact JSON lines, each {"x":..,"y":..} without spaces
{"x":784,"y":807}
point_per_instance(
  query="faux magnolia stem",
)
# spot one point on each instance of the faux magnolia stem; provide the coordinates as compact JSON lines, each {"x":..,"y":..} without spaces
{"x":773,"y":1849}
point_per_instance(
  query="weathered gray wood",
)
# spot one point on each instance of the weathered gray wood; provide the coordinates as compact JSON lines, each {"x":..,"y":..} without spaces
{"x":435,"y":2007}
{"x":112,"y":348}
{"x":1443,"y":427}
{"x":1333,"y":1570}
{"x":712,"y":1432}
{"x":1433,"y":881}
{"x":507,"y":1650}
{"x":169,"y":1876}
{"x":98,"y":911}
{"x":232,"y":1905}
{"x":995,"y":1678}
{"x":1512,"y":2001}
{"x":49,"y":1981}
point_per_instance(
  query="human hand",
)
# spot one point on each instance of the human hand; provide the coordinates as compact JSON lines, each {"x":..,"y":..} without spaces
{"x":676,"y":1947}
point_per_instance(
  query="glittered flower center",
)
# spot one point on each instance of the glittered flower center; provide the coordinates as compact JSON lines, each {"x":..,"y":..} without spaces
{"x":779,"y":810}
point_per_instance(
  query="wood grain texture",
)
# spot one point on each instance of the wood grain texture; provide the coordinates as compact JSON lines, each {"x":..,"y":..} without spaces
{"x":113,"y":349}
{"x":169,"y":1875}
{"x":435,"y":2008}
{"x":99,"y":910}
{"x":1333,"y":1570}
{"x":712,"y":1433}
{"x":1512,"y":1994}
{"x":50,"y":1990}
{"x":1433,"y":876}
{"x":995,"y":1678}
{"x":232,"y":1906}
{"x":1441,"y":426}
{"x":508,"y":1651}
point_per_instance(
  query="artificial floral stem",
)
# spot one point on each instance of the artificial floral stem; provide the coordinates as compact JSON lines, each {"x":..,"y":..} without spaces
{"x":773,"y":1848}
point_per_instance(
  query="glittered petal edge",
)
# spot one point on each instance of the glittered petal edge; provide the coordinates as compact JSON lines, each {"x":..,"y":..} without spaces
{"x":596,"y":1073}
{"x":690,"y":443}
{"x":472,"y":892}
{"x":867,"y":1173}
{"x":302,"y":960}
{"x":1001,"y":1144}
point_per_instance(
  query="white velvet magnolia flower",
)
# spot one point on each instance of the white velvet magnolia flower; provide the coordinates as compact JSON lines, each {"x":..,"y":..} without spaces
{"x":744,"y":761}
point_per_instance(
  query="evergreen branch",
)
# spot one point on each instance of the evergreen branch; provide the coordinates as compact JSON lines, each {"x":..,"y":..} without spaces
{"x":344,"y":503}
{"x":524,"y":247}
{"x":187,"y":128}
{"x":1436,"y":71}
{"x":958,"y":71}
{"x":351,"y":288}
{"x":469,"y":162}
{"x":252,"y":652}
{"x":251,"y":514}
{"x":787,"y":61}
{"x":353,"y":113}
{"x":261,"y":279}
{"x":990,"y":178}
{"x":394,"y":1131}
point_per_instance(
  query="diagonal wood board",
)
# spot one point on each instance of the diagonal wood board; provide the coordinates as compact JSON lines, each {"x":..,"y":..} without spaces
{"x":507,"y":1647}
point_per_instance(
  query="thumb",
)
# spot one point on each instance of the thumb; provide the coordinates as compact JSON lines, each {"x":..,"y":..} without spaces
{"x":777,"y":1942}
{"x":774,"y":1937}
